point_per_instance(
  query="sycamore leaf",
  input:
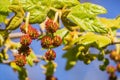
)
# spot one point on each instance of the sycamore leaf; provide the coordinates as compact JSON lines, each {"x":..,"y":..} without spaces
{"x":61,"y":32}
{"x":15,"y":67}
{"x":22,"y":75}
{"x":38,"y":9}
{"x":30,"y":58}
{"x":85,"y":16}
{"x":62,"y":3}
{"x":4,"y":10}
{"x":49,"y":68}
{"x":1,"y":40}
{"x":110,"y":23}
{"x":94,"y":39}
{"x":71,"y":56}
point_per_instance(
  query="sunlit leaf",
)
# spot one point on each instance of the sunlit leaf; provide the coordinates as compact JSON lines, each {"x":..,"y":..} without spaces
{"x":49,"y":68}
{"x":62,"y":3}
{"x":38,"y":9}
{"x":4,"y":10}
{"x":94,"y":39}
{"x":30,"y":58}
{"x":111,"y":23}
{"x":85,"y":16}
{"x":14,"y":66}
{"x":62,"y":32}
{"x":1,"y":40}
{"x":71,"y":56}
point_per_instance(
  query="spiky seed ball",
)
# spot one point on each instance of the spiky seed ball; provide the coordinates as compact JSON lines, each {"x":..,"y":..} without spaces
{"x":110,"y":69}
{"x":33,"y":33}
{"x":20,"y":60}
{"x":57,"y":41}
{"x":50,"y":55}
{"x":24,"y":50}
{"x":112,"y":77}
{"x":51,"y":26}
{"x":113,"y":55}
{"x":50,"y":78}
{"x":25,"y":40}
{"x":22,"y":27}
{"x":46,"y":41}
{"x":118,"y":67}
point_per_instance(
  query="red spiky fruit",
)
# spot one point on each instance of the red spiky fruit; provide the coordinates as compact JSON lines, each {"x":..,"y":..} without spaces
{"x":25,"y":40}
{"x":20,"y":60}
{"x":46,"y":41}
{"x":24,"y":50}
{"x":22,"y":27}
{"x":110,"y":69}
{"x":113,"y":55}
{"x":50,"y":55}
{"x":50,"y":78}
{"x":51,"y":26}
{"x":57,"y":41}
{"x":33,"y":33}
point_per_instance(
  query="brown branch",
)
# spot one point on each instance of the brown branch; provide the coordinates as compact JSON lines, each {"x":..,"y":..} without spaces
{"x":17,"y":35}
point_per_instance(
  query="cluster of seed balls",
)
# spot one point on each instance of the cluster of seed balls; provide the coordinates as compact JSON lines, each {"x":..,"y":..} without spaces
{"x":50,"y":40}
{"x":25,"y":40}
{"x":111,"y":69}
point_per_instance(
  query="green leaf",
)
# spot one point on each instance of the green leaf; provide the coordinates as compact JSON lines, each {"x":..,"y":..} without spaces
{"x":71,"y":56}
{"x":62,"y":3}
{"x":17,"y":19}
{"x":85,"y":16}
{"x":103,"y":41}
{"x":1,"y":40}
{"x":22,"y":74}
{"x":38,"y":9}
{"x":4,"y":10}
{"x":61,"y":32}
{"x":67,"y":22}
{"x":94,"y":39}
{"x":30,"y":58}
{"x":49,"y":68}
{"x":14,"y":66}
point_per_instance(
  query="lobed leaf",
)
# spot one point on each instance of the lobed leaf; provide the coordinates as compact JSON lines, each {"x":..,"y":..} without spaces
{"x":94,"y":39}
{"x":4,"y":10}
{"x":85,"y":16}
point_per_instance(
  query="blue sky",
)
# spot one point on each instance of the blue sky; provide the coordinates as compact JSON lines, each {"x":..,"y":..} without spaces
{"x":80,"y":71}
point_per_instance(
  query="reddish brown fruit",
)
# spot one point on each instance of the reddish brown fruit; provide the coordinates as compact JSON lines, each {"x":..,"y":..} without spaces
{"x":24,"y":50}
{"x":118,"y":67}
{"x":46,"y":42}
{"x":57,"y":41}
{"x":33,"y":33}
{"x":112,"y":77}
{"x":110,"y":69}
{"x":25,"y":40}
{"x":50,"y":55}
{"x":22,"y":27}
{"x":113,"y":55}
{"x":51,"y":26}
{"x":20,"y":60}
{"x":51,"y":78}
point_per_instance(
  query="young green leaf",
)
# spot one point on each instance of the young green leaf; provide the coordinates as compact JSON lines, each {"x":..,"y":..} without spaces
{"x":85,"y":16}
{"x":4,"y":10}
{"x":38,"y":9}
{"x":71,"y":56}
